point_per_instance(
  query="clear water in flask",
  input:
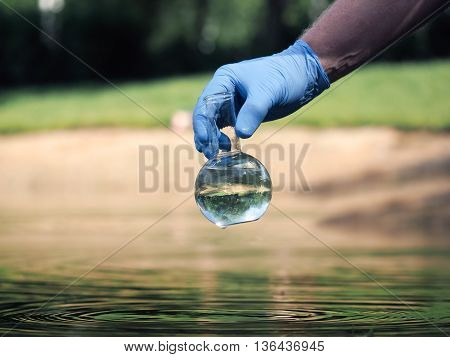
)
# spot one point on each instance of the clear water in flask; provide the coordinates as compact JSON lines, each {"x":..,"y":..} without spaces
{"x":233,"y":187}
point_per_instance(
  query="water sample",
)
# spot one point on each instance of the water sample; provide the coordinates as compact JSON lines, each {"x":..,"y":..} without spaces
{"x":233,"y":187}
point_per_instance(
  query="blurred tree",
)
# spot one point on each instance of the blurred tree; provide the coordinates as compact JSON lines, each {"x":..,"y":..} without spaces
{"x":126,"y":39}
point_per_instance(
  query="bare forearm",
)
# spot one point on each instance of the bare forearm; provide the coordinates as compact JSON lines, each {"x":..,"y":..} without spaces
{"x":350,"y":32}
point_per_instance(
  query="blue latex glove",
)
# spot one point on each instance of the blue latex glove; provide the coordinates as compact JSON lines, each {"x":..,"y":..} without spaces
{"x":264,"y":89}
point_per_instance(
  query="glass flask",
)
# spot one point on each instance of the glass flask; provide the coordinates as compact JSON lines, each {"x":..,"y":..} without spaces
{"x":233,"y":187}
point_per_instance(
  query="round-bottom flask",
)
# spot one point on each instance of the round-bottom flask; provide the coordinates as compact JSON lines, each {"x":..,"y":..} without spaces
{"x":232,"y":187}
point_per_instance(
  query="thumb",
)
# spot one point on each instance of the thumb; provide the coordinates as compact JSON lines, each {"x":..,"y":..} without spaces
{"x":251,"y":115}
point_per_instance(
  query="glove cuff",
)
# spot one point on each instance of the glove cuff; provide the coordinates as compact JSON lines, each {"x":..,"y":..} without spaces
{"x":322,"y":82}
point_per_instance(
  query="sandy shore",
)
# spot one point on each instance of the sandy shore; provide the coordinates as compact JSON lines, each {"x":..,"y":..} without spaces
{"x":351,"y":178}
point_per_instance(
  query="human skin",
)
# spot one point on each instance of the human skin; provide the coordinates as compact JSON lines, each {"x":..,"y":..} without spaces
{"x":352,"y":32}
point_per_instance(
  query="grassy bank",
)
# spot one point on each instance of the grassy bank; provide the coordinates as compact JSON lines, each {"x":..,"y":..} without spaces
{"x":407,"y":96}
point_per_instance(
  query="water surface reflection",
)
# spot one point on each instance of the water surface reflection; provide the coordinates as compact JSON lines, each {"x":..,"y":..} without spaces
{"x":117,"y":300}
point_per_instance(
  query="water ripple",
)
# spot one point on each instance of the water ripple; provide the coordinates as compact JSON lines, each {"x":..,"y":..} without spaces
{"x":259,"y":307}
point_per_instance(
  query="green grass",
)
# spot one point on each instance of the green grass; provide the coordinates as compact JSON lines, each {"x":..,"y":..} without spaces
{"x":406,"y":96}
{"x":30,"y":109}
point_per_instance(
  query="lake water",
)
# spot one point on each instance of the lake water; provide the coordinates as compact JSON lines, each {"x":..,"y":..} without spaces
{"x":184,"y":276}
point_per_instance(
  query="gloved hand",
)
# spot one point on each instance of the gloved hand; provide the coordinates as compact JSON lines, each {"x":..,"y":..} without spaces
{"x":264,"y":89}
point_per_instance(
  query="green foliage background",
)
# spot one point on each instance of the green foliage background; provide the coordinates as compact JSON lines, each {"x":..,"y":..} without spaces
{"x":135,"y":39}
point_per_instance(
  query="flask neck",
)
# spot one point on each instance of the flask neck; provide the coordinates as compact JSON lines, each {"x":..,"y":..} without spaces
{"x":235,"y":143}
{"x":234,"y":139}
